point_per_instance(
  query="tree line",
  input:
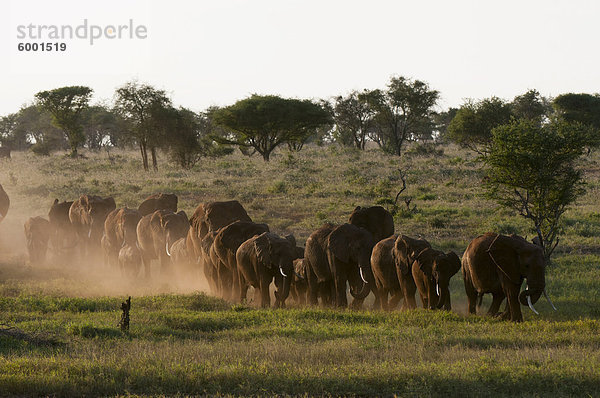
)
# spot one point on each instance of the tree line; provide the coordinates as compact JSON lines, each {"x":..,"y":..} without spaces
{"x":530,"y":148}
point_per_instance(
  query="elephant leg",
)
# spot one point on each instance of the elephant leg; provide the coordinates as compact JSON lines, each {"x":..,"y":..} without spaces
{"x":395,"y":299}
{"x":514,"y":305}
{"x":243,"y":287}
{"x":383,"y":298}
{"x":471,"y":296}
{"x":265,"y":296}
{"x":147,"y":266}
{"x":409,"y":289}
{"x":313,"y":287}
{"x":340,"y":290}
{"x":497,"y":299}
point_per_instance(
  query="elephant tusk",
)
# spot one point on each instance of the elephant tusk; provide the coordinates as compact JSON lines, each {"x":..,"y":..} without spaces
{"x":90,"y":233}
{"x":167,"y":247}
{"x":437,"y":289}
{"x":123,"y":244}
{"x":531,"y":305}
{"x":361,"y":275}
{"x":550,"y":301}
{"x":282,"y":273}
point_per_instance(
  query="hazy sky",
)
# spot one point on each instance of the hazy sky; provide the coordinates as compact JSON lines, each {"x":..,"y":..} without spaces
{"x":216,"y":52}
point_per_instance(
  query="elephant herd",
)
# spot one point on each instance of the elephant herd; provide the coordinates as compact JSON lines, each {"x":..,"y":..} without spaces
{"x":232,"y":252}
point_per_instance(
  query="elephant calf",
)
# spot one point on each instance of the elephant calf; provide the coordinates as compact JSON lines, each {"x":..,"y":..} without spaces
{"x":262,"y":259}
{"x":37,"y":234}
{"x":432,"y":270}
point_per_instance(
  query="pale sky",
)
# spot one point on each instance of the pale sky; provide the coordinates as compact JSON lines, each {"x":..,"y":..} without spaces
{"x":215,"y":52}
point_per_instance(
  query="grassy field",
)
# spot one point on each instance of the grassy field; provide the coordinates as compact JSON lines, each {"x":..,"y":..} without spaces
{"x":64,"y":340}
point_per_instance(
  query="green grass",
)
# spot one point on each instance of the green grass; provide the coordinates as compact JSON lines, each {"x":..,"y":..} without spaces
{"x":183,"y":342}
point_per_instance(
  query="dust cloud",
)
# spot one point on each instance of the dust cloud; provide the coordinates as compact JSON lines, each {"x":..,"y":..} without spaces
{"x":75,"y":275}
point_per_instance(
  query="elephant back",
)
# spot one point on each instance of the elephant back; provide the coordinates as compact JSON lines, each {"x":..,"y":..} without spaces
{"x":158,"y":201}
{"x":374,"y":219}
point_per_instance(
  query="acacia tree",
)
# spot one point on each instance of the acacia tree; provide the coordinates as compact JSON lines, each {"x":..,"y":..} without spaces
{"x":139,"y":104}
{"x":265,"y":122}
{"x":65,"y":104}
{"x":353,"y":116}
{"x":401,"y":111}
{"x":99,"y":122}
{"x":531,"y":168}
{"x":472,"y":125}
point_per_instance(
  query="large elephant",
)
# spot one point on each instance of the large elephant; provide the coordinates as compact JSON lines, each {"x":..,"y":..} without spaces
{"x":497,"y":264}
{"x":62,"y":235}
{"x":87,"y":215}
{"x":262,"y":259}
{"x":405,"y":251}
{"x":207,"y":218}
{"x":374,"y":219}
{"x":432,"y":270}
{"x":37,"y":234}
{"x":385,"y":274}
{"x":340,"y":255}
{"x":4,"y":203}
{"x":156,"y":233}
{"x":223,"y":250}
{"x":158,"y":201}
{"x":120,"y":229}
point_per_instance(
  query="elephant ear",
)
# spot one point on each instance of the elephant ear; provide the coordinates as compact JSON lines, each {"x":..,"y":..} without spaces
{"x":453,"y":261}
{"x":400,"y":253}
{"x":504,"y":253}
{"x":262,"y":246}
{"x":183,"y":215}
{"x":528,"y":253}
{"x":424,"y":259}
{"x":337,"y":244}
{"x":290,"y":238}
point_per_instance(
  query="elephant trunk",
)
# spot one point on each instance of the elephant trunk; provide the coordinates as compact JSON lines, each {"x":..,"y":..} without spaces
{"x":444,"y":298}
{"x":365,"y":288}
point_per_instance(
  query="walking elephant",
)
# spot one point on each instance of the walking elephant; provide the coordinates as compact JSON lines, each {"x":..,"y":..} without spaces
{"x":156,"y":233}
{"x":62,"y":233}
{"x":432,"y":270}
{"x":385,"y":274}
{"x":4,"y":203}
{"x":120,"y":229}
{"x":209,"y":217}
{"x":262,"y":259}
{"x":405,"y":251}
{"x":223,"y":252}
{"x":375,"y":219}
{"x":87,"y":216}
{"x":158,"y":201}
{"x":497,"y":264}
{"x":340,"y":255}
{"x":37,"y":234}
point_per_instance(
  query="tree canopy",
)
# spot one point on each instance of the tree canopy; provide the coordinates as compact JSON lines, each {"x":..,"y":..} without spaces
{"x":402,"y":110}
{"x":532,"y":169}
{"x":265,"y":122}
{"x":141,"y":105}
{"x":65,"y":104}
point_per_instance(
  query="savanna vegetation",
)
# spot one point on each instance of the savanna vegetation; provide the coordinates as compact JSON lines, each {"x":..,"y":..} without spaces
{"x":528,"y":166}
{"x":59,"y":324}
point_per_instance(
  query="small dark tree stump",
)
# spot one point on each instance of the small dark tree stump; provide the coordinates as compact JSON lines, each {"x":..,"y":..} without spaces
{"x":124,"y":322}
